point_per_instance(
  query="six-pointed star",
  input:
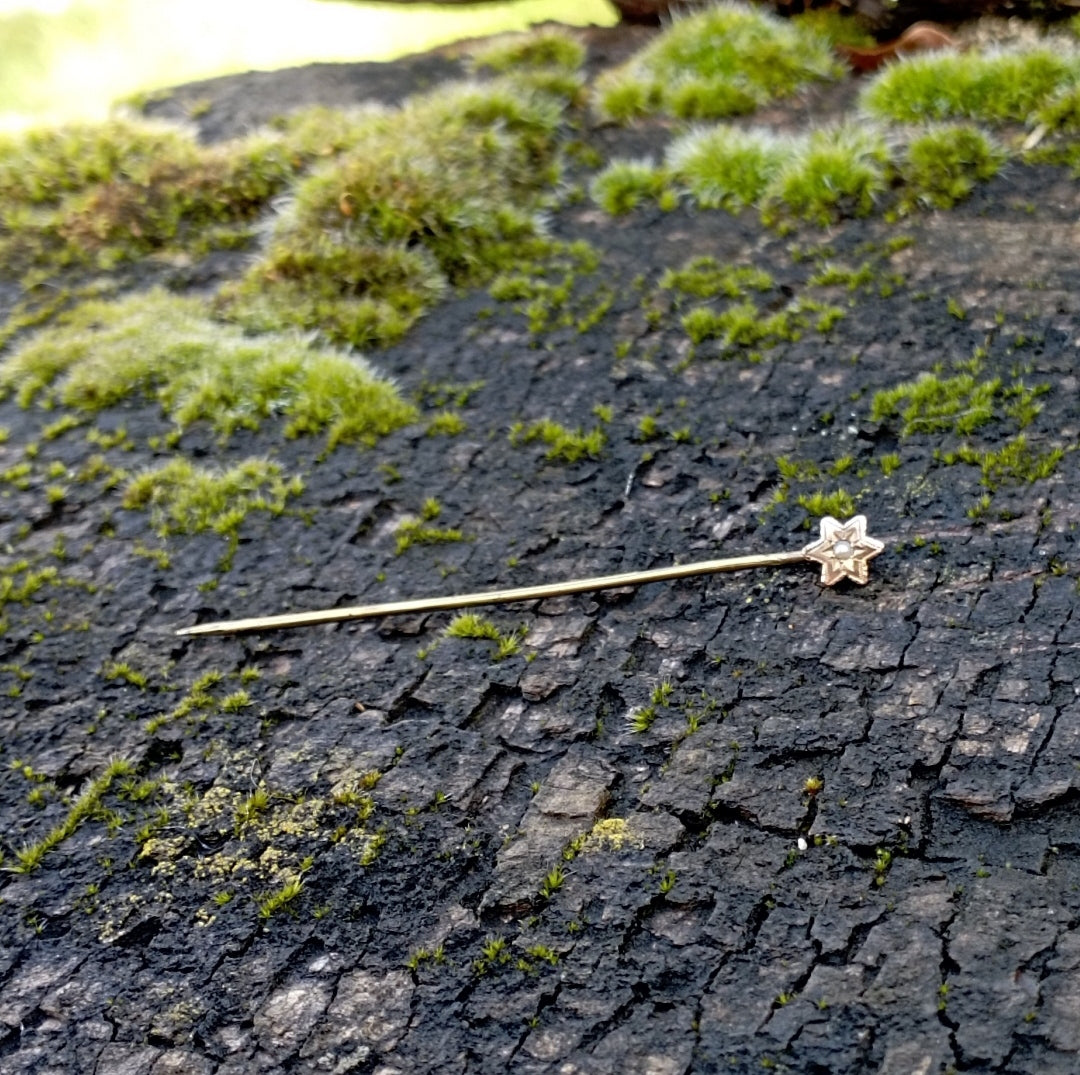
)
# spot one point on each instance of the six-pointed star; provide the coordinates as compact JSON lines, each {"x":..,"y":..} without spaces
{"x":843,"y":550}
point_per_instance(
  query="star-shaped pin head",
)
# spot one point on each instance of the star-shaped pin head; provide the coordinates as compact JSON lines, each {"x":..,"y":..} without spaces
{"x":843,"y":550}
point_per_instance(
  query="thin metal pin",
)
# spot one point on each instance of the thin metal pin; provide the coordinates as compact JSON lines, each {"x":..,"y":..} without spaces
{"x":842,"y":549}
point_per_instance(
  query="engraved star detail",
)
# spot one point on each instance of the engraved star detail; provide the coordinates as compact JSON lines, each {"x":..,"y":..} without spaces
{"x":843,"y":550}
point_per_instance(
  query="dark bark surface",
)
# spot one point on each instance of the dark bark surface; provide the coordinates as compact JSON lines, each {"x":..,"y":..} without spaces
{"x":849,"y":840}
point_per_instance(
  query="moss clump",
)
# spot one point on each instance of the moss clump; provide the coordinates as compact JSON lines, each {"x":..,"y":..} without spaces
{"x":186,"y":499}
{"x":705,"y":278}
{"x":1014,"y":463}
{"x":624,"y":184}
{"x":839,"y":503}
{"x":726,"y":167}
{"x":41,"y":167}
{"x":724,"y":61}
{"x":29,"y":856}
{"x":833,"y":173}
{"x":563,"y":445}
{"x":416,"y":531}
{"x":470,"y":625}
{"x":438,"y":193}
{"x":740,"y":325}
{"x":932,"y":403}
{"x":163,"y":345}
{"x":543,"y":50}
{"x":942,"y":166}
{"x":1062,"y":111}
{"x":99,"y":196}
{"x":994,"y":86}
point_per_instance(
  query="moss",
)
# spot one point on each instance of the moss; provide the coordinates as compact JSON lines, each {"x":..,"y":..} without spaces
{"x":544,"y":282}
{"x":727,"y":167}
{"x":625,"y":184}
{"x":446,"y":424}
{"x":563,"y":445}
{"x":543,"y":49}
{"x":723,"y":61}
{"x":101,"y":353}
{"x":841,"y":27}
{"x":839,"y":503}
{"x":942,"y":166}
{"x":993,"y":86}
{"x":470,"y":625}
{"x":187,"y":499}
{"x":101,"y":195}
{"x":741,"y":325}
{"x":933,"y":403}
{"x":1014,"y":463}
{"x":30,"y":856}
{"x":436,"y":194}
{"x":834,"y":173}
{"x":415,"y":531}
{"x":705,"y":278}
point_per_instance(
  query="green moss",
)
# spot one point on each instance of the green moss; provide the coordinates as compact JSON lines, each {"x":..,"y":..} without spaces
{"x":563,"y":445}
{"x":834,"y":173}
{"x":1014,"y":463}
{"x":40,"y":167}
{"x":187,"y":499}
{"x":705,"y":278}
{"x":723,"y":61}
{"x":727,"y":167}
{"x":30,"y":856}
{"x":438,"y":193}
{"x":624,"y":184}
{"x":280,"y":899}
{"x":470,"y":625}
{"x":741,"y":325}
{"x":543,"y":49}
{"x":101,"y":195}
{"x":1061,"y":113}
{"x":990,"y":86}
{"x":544,"y":283}
{"x":933,"y":403}
{"x":163,"y":345}
{"x":941,"y":167}
{"x":446,"y":424}
{"x":415,"y":531}
{"x":839,"y":503}
{"x":841,"y":27}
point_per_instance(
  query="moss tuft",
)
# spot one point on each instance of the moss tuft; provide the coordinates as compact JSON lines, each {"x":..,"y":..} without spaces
{"x":436,"y":194}
{"x":563,"y":445}
{"x":624,"y":184}
{"x":932,"y":403}
{"x":834,"y":173}
{"x":187,"y":499}
{"x":727,"y":167}
{"x":723,"y":61}
{"x":705,"y":278}
{"x":543,"y":50}
{"x":163,"y":345}
{"x":100,"y":195}
{"x":942,"y":166}
{"x":996,"y":86}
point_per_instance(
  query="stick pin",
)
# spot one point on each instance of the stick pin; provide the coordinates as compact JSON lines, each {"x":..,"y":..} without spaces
{"x":843,"y":550}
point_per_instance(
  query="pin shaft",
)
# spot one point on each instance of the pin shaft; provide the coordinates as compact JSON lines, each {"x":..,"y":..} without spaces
{"x":496,"y":597}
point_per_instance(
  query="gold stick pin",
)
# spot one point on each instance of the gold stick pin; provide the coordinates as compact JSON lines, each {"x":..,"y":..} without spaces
{"x":843,"y":550}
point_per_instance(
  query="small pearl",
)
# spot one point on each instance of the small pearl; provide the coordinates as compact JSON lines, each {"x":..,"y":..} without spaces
{"x":842,"y":549}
